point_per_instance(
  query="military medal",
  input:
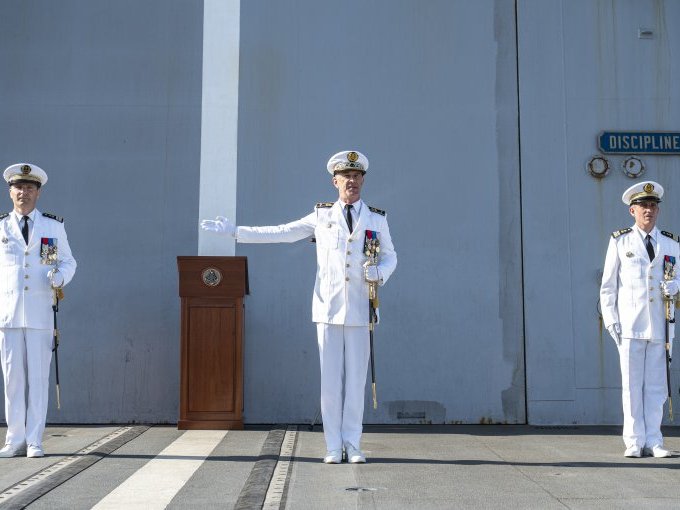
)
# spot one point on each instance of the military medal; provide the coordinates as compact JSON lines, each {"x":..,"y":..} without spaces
{"x":48,"y":250}
{"x":669,"y":274}
{"x":372,"y":245}
{"x":629,"y":254}
{"x":5,"y":240}
{"x":668,"y":267}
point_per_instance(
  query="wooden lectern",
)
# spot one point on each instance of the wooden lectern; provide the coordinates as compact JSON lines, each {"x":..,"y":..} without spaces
{"x":211,"y":348}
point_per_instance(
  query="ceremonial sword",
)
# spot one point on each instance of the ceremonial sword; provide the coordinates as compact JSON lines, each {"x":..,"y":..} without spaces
{"x":58,"y":294}
{"x":371,"y":250}
{"x":669,"y":274}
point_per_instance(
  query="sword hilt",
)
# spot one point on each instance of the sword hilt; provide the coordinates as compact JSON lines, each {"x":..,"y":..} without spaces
{"x":670,"y":307}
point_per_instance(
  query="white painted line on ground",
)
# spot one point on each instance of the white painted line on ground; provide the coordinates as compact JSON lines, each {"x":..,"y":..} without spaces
{"x":39,"y":477}
{"x":272,"y":500}
{"x":159,"y":480}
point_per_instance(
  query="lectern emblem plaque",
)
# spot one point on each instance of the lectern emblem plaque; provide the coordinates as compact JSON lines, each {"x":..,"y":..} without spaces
{"x":211,"y":277}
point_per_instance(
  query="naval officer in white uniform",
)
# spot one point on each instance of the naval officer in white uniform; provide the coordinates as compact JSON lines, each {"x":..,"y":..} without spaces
{"x":340,"y":302}
{"x":35,"y":259}
{"x":633,"y":311}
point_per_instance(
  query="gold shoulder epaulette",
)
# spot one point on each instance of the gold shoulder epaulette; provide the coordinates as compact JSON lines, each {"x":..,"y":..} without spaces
{"x":671,"y":235}
{"x":4,"y":215}
{"x":324,"y":204}
{"x":53,"y":217}
{"x":376,"y":210}
{"x":621,"y":232}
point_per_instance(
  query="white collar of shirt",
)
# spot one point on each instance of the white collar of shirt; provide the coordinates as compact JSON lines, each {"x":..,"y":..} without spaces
{"x":654,"y":233}
{"x":356,"y":207}
{"x":20,"y":217}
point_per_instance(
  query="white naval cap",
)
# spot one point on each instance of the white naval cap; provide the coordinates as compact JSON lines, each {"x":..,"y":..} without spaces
{"x":642,"y":192}
{"x":25,"y":172}
{"x":347,"y":160}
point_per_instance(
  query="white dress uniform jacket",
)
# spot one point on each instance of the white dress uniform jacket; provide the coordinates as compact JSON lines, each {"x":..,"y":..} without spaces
{"x":25,"y":291}
{"x":630,"y":293}
{"x":340,"y":291}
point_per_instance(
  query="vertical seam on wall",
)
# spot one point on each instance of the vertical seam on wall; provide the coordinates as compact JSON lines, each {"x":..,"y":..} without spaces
{"x":521,"y":216}
{"x":566,"y":188}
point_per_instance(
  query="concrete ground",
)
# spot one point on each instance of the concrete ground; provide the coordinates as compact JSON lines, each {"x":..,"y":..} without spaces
{"x":485,"y":466}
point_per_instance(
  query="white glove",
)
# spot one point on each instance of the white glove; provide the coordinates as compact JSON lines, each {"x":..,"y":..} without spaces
{"x":615,"y":332}
{"x":372,"y":274}
{"x":221,"y":225}
{"x":669,"y":287}
{"x":56,"y":278}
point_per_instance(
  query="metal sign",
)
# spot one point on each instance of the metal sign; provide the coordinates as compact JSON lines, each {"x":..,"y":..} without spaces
{"x":639,"y":142}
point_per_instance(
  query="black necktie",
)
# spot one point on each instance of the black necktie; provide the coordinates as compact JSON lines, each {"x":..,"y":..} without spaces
{"x":650,"y":248}
{"x":24,"y":229}
{"x":348,"y":207}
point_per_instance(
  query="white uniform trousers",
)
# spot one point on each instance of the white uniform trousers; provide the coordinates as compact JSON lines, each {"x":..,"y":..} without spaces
{"x":26,"y":355}
{"x":343,"y":350}
{"x":644,"y":391}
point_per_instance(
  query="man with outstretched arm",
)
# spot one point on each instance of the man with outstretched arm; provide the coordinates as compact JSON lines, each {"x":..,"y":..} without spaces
{"x":340,"y":303}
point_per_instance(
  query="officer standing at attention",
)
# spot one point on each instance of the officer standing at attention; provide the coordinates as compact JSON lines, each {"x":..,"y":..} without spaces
{"x":633,"y":311}
{"x":340,"y":302}
{"x":35,"y":259}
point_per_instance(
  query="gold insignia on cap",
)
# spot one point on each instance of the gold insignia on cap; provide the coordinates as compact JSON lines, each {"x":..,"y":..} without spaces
{"x":648,"y":188}
{"x":352,"y":156}
{"x":25,"y":169}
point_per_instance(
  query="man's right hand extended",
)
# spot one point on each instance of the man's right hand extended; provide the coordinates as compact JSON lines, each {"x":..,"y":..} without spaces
{"x":220,"y":225}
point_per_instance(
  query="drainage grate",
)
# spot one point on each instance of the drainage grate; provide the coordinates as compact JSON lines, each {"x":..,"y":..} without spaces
{"x":274,"y":498}
{"x":361,"y":489}
{"x":556,"y":427}
{"x":414,"y":415}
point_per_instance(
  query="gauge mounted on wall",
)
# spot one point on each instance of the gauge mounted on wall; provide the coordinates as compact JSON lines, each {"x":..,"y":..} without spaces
{"x":633,"y":167}
{"x":598,"y":166}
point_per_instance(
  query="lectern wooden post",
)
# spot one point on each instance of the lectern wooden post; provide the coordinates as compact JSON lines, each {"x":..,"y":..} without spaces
{"x":211,"y":346}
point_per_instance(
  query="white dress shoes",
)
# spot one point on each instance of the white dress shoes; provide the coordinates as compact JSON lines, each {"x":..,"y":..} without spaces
{"x":333,"y":457}
{"x":633,"y":451}
{"x":11,"y":450}
{"x":656,"y":451}
{"x":34,"y":451}
{"x":354,"y":455}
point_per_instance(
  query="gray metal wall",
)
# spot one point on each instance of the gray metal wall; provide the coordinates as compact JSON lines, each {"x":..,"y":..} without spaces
{"x":582,"y":70}
{"x":493,"y":254}
{"x":428,"y":91}
{"x":106,"y":97}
